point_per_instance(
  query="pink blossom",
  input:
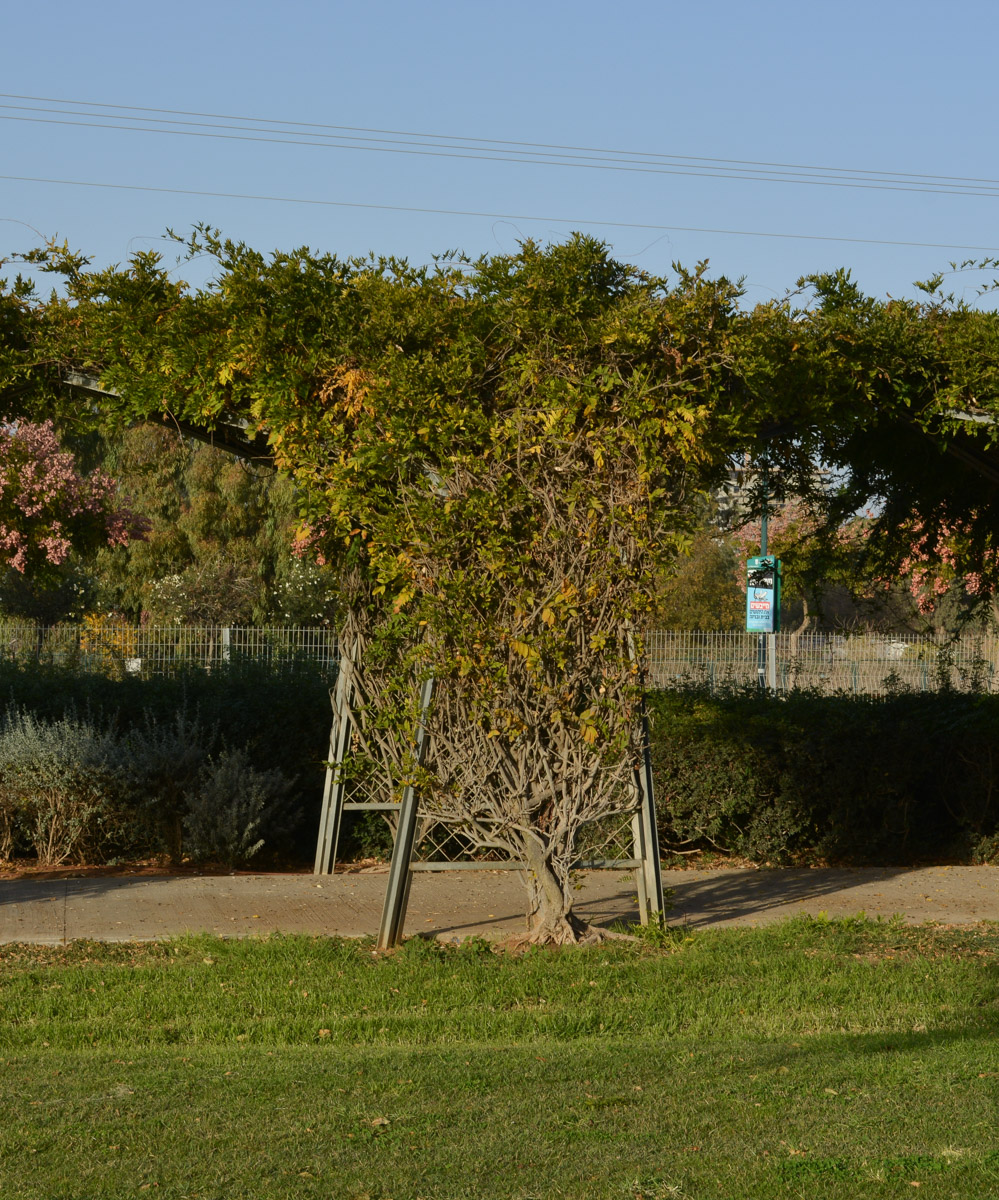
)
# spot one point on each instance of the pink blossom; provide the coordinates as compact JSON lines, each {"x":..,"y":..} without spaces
{"x":934,"y":568}
{"x":47,"y":507}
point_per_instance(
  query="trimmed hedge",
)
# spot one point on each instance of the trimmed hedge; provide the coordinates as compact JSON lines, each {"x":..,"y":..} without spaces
{"x":283,"y":714}
{"x":838,"y":778}
{"x":802,"y":778}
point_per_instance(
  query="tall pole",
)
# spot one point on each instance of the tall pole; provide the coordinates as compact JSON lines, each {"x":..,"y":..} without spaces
{"x":761,"y":638}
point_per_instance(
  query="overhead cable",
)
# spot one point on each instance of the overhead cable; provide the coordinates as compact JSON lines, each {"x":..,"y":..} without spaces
{"x":576,"y":222}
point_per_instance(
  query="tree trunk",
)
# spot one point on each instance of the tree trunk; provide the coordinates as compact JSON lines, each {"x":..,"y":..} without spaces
{"x":551,"y":919}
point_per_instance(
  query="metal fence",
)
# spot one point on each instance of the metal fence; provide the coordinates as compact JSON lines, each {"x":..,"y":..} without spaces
{"x":863,"y":664}
{"x":119,"y":649}
{"x":869,"y":664}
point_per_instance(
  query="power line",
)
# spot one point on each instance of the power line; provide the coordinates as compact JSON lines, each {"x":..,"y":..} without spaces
{"x":496,"y":216}
{"x":348,"y":141}
{"x":540,"y":146}
{"x":891,"y":181}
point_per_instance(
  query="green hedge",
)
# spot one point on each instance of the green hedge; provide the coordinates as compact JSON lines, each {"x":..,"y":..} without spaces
{"x":840,"y":778}
{"x":282,"y":713}
{"x":800,"y":778}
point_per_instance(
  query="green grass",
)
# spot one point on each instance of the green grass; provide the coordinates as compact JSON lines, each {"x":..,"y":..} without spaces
{"x":811,"y":1059}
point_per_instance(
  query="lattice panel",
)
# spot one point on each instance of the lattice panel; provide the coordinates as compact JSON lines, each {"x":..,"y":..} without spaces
{"x":609,"y":840}
{"x":438,"y":840}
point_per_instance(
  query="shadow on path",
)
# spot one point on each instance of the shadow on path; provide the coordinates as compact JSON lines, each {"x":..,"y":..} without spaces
{"x":746,"y":896}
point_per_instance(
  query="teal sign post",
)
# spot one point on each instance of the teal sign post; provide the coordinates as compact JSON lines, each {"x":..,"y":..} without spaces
{"x":763,"y":594}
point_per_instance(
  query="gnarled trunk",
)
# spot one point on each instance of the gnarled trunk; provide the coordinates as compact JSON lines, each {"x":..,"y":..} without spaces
{"x":551,"y":919}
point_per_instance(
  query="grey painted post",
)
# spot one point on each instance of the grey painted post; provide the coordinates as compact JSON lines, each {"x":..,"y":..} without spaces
{"x":761,"y":638}
{"x":772,"y":663}
{"x":332,"y":810}
{"x":646,"y":834}
{"x":651,"y":866}
{"x":638,"y":852}
{"x":400,"y":873}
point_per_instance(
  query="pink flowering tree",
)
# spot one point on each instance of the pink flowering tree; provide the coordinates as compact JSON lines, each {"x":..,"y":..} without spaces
{"x":936,"y":568}
{"x":48,"y":507}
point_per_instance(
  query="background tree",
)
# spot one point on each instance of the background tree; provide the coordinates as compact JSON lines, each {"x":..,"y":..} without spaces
{"x":49,"y":509}
{"x":220,"y":544}
{"x":897,"y":401}
{"x":704,"y":587}
{"x":904,"y":400}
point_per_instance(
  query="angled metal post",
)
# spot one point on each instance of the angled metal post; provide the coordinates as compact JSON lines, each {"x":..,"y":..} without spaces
{"x":651,"y":865}
{"x":638,"y":853}
{"x":400,"y":873}
{"x":650,"y":886}
{"x":331,"y":814}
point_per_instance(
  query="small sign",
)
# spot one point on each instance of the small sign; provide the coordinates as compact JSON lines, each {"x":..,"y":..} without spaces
{"x":763,"y":594}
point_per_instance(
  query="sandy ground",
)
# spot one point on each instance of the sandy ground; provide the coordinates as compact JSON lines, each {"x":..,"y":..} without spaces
{"x":458,"y":904}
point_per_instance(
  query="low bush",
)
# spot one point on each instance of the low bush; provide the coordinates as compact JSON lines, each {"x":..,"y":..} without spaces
{"x":63,"y":787}
{"x":166,"y":760}
{"x":171,"y":725}
{"x":230,"y":807}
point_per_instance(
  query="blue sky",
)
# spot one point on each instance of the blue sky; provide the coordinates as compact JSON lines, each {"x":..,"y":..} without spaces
{"x":863,"y":89}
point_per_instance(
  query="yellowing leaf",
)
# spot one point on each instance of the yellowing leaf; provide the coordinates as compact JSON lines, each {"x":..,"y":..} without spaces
{"x":400,"y":602}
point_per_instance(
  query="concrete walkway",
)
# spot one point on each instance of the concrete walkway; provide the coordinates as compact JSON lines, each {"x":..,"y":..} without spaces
{"x":462,"y":903}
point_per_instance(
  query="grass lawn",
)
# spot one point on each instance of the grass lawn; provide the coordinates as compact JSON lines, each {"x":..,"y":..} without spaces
{"x":810,"y":1059}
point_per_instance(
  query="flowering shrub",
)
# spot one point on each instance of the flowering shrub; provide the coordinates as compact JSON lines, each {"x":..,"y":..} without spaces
{"x":108,"y":639}
{"x":306,"y":593}
{"x":47,"y":507}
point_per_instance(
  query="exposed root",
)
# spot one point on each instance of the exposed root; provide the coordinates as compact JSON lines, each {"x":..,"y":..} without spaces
{"x":568,"y":931}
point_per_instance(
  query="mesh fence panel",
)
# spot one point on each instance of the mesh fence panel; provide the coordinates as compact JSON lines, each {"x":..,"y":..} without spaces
{"x":119,"y":649}
{"x":867,"y":664}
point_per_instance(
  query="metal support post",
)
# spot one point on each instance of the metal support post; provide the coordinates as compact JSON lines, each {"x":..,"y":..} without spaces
{"x":648,"y":852}
{"x":638,"y":852}
{"x":331,"y":814}
{"x":400,"y":869}
{"x":649,"y":879}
